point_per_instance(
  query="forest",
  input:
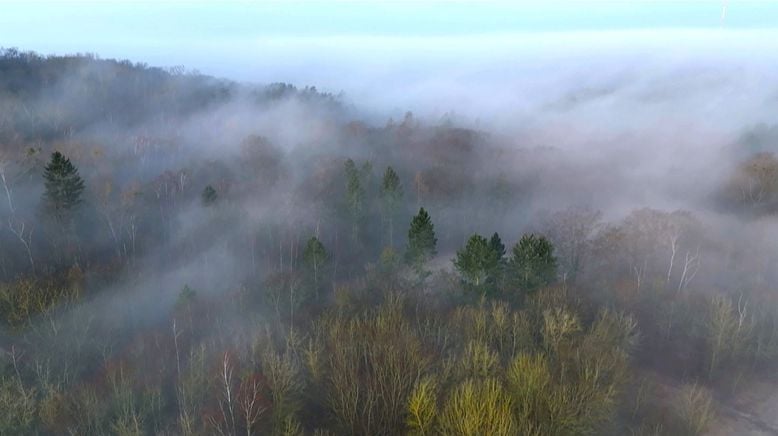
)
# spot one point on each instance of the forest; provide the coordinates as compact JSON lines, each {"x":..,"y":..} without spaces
{"x":187,"y":255}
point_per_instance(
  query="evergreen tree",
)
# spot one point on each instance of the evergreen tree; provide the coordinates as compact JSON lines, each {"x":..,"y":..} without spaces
{"x":355,"y":198}
{"x":421,"y":241}
{"x":497,"y":247}
{"x":391,"y":197}
{"x":315,"y":258}
{"x":366,"y":175}
{"x":532,"y":264}
{"x":209,"y":195}
{"x":496,"y":279}
{"x":479,"y":263}
{"x":63,"y":186}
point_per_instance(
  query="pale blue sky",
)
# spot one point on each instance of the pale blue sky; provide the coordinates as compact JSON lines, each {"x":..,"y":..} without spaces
{"x":74,"y":24}
{"x":350,"y":46}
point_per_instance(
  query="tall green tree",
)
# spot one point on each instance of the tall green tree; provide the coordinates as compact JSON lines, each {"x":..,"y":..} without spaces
{"x":479,"y":262}
{"x":532,"y":264}
{"x":209,"y":195}
{"x":391,"y":197}
{"x":355,"y":198}
{"x":64,"y":187}
{"x":315,"y":258}
{"x":496,"y":278}
{"x":421,"y":241}
{"x":497,"y":247}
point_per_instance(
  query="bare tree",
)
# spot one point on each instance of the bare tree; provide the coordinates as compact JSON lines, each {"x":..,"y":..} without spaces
{"x":228,"y":400}
{"x":23,"y":232}
{"x":571,"y":230}
{"x":249,"y":402}
{"x":6,"y":187}
{"x":673,"y":251}
{"x":691,"y":265}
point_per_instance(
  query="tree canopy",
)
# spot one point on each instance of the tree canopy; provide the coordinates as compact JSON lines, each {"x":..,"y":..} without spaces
{"x":315,"y":258}
{"x":209,"y":195}
{"x":421,"y":240}
{"x":479,"y":262}
{"x":391,"y":198}
{"x":63,"y":184}
{"x":532,"y":263}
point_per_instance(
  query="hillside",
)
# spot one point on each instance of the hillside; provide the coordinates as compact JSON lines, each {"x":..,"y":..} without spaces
{"x":182,"y":254}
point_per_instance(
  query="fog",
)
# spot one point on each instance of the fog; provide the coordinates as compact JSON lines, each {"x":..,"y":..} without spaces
{"x":644,"y":157}
{"x":668,"y":101}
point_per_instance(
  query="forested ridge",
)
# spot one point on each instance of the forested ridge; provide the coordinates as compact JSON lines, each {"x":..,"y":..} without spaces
{"x":186,"y":255}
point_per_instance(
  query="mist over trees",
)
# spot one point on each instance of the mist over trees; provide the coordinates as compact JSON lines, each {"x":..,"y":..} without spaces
{"x":181,"y":254}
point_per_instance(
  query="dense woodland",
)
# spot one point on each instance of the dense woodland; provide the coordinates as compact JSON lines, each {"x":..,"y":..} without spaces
{"x":182,"y":255}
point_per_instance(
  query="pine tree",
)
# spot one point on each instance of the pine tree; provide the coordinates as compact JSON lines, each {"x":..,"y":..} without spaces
{"x":209,"y":195}
{"x":479,"y":263}
{"x":496,"y":278}
{"x":391,"y":196}
{"x":315,"y":258}
{"x":63,"y":186}
{"x":532,"y":264}
{"x":355,"y":198}
{"x":497,"y":247}
{"x":421,"y":240}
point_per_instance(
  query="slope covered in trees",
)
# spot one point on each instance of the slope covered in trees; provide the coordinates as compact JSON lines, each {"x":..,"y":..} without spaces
{"x":186,"y":255}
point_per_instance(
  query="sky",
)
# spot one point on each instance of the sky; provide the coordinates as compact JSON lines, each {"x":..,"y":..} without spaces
{"x":60,"y":23}
{"x":147,"y":28}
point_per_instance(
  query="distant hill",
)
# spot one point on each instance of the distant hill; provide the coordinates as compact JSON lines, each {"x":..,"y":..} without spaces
{"x":46,"y":97}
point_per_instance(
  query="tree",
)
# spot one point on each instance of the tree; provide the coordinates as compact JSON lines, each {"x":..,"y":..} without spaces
{"x":388,"y":265}
{"x":478,"y":407}
{"x":497,"y":247}
{"x":498,"y":252}
{"x":754,"y":184}
{"x":209,"y":195}
{"x":532,"y":264}
{"x":391,"y":196}
{"x":315,"y":258}
{"x":728,"y":329}
{"x":355,"y":197}
{"x":23,"y":232}
{"x":572,"y":231}
{"x":63,"y":186}
{"x":6,"y":185}
{"x":479,"y":262}
{"x":421,"y":240}
{"x":420,"y":186}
